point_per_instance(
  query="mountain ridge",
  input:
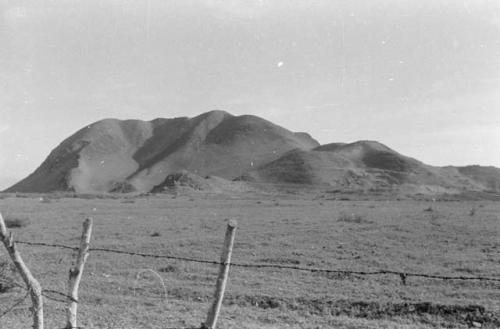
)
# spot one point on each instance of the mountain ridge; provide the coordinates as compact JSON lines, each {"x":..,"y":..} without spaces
{"x":137,"y":155}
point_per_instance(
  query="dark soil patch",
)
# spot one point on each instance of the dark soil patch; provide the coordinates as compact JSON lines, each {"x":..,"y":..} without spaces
{"x":424,"y":312}
{"x":16,"y":222}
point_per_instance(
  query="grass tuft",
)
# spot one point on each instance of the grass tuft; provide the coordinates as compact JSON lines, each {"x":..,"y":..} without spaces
{"x":353,"y":218}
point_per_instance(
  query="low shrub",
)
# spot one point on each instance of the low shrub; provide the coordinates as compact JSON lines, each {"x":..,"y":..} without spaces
{"x":169,"y":269}
{"x":16,"y":222}
{"x":7,"y":276}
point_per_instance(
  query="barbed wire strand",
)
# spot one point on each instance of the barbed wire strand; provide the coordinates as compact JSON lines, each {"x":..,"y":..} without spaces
{"x":43,"y":244}
{"x":401,"y":274}
{"x":44,"y":292}
{"x":67,"y":297}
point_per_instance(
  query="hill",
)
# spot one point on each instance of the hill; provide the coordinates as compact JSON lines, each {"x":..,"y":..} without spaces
{"x":132,"y":155}
{"x":371,"y":166}
{"x":111,"y":154}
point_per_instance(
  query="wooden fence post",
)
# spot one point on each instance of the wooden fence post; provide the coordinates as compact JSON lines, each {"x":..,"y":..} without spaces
{"x":220,"y":286}
{"x":75,"y":274}
{"x":32,"y":284}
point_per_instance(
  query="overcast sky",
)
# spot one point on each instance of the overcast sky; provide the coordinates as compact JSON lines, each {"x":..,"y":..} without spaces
{"x":422,"y":77}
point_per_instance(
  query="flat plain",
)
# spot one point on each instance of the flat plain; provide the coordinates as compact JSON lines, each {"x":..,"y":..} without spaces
{"x":455,"y":238}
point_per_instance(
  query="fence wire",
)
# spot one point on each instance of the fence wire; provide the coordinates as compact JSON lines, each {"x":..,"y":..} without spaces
{"x":47,"y":293}
{"x":402,"y":275}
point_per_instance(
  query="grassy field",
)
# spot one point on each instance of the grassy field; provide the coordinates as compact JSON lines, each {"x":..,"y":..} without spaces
{"x":447,"y":238}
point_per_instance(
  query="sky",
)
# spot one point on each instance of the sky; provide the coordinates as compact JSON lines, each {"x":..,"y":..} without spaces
{"x":422,"y":77}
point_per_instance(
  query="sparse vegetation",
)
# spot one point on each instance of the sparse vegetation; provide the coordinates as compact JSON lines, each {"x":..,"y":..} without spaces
{"x":356,"y":235}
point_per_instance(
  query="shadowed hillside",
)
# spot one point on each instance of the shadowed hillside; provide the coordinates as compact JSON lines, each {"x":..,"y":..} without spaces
{"x":112,"y":155}
{"x":371,"y":166}
{"x":488,"y":176}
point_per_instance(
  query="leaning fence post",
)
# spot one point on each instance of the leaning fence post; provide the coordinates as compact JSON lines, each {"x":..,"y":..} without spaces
{"x":75,"y":274}
{"x":220,"y":286}
{"x":32,"y":284}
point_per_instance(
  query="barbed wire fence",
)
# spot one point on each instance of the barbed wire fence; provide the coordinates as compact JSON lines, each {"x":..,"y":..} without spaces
{"x":401,"y":274}
{"x":224,"y":265}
